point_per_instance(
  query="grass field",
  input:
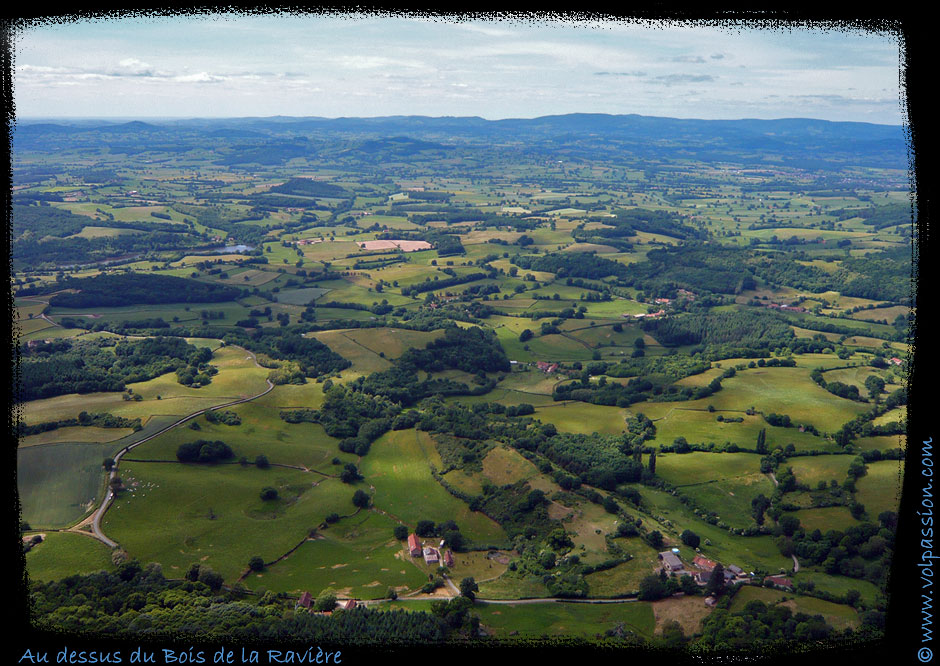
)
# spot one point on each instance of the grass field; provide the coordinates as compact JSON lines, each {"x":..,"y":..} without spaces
{"x":566,"y":619}
{"x":63,"y":554}
{"x":174,"y":514}
{"x":839,"y":616}
{"x":398,"y":467}
{"x":724,"y":483}
{"x":60,"y":483}
{"x":880,"y":489}
{"x":357,"y":557}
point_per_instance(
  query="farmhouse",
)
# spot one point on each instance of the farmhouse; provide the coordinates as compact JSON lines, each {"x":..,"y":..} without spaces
{"x":545,"y":367}
{"x":703,"y":563}
{"x":780,"y":581}
{"x":350,"y":604}
{"x":305,"y":599}
{"x":448,"y":558}
{"x":414,"y":545}
{"x":431,"y":555}
{"x":671,"y":561}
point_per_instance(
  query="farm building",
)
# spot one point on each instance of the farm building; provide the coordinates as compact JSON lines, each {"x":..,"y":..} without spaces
{"x":350,"y":604}
{"x":736,"y":571}
{"x":780,"y":581}
{"x":671,"y":561}
{"x":448,"y":558}
{"x":431,"y":555}
{"x":414,"y":545}
{"x":703,"y":563}
{"x":305,"y":600}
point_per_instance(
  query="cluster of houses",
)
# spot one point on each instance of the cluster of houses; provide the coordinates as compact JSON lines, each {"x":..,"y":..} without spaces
{"x":703,"y":568}
{"x":430,"y":554}
{"x":547,"y":368}
{"x":653,"y":315}
{"x":787,"y":308}
{"x":306,"y":601}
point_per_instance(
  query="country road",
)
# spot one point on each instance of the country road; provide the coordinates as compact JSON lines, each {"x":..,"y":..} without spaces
{"x":96,"y":518}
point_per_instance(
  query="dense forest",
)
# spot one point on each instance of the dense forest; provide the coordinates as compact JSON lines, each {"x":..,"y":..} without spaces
{"x":87,"y":367}
{"x":115,"y":290}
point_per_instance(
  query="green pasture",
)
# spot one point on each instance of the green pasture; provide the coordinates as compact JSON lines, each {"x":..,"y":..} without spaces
{"x":504,"y":396}
{"x":880,"y":489}
{"x":302,"y":296}
{"x":364,"y":360}
{"x":826,"y":518}
{"x":175,"y":514}
{"x":699,"y":426}
{"x":724,"y":483}
{"x":357,"y":557}
{"x":625,"y":578}
{"x":293,"y":396}
{"x":503,"y":465}
{"x":582,"y":417}
{"x":397,"y":466}
{"x":840,"y":616}
{"x":749,"y":553}
{"x":839,"y":585}
{"x":513,"y":586}
{"x":881,"y":443}
{"x":60,"y":483}
{"x":63,"y":554}
{"x":262,"y":432}
{"x":76,"y":434}
{"x":556,"y":619}
{"x":813,"y":469}
{"x":783,"y":391}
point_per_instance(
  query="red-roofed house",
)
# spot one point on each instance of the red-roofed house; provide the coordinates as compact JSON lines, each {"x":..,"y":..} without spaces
{"x":780,"y":581}
{"x":448,"y":558}
{"x":349,"y":605}
{"x":414,"y":545}
{"x":703,"y":563}
{"x":305,"y":600}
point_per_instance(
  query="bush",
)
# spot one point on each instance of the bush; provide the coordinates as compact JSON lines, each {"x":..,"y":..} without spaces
{"x":268,"y":493}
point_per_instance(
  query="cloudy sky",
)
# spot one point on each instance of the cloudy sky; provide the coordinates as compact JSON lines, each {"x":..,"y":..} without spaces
{"x":365,"y":65}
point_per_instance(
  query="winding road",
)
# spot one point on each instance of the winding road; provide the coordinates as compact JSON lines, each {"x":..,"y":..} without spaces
{"x":95,"y":520}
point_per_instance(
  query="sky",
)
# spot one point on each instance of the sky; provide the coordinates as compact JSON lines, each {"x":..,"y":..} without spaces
{"x":361,"y":65}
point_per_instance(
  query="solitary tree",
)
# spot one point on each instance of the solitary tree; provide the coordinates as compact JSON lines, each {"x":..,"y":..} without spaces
{"x":361,"y":499}
{"x":469,"y":588}
{"x":326,"y":601}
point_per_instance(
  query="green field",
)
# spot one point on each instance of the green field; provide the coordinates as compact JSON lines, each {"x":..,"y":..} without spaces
{"x":398,"y":466}
{"x":60,"y":483}
{"x":63,"y":554}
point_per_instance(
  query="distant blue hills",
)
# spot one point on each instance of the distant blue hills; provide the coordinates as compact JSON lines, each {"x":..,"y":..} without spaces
{"x":806,"y":142}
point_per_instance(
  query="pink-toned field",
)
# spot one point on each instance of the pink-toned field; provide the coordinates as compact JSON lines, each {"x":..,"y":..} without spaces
{"x":403,"y":245}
